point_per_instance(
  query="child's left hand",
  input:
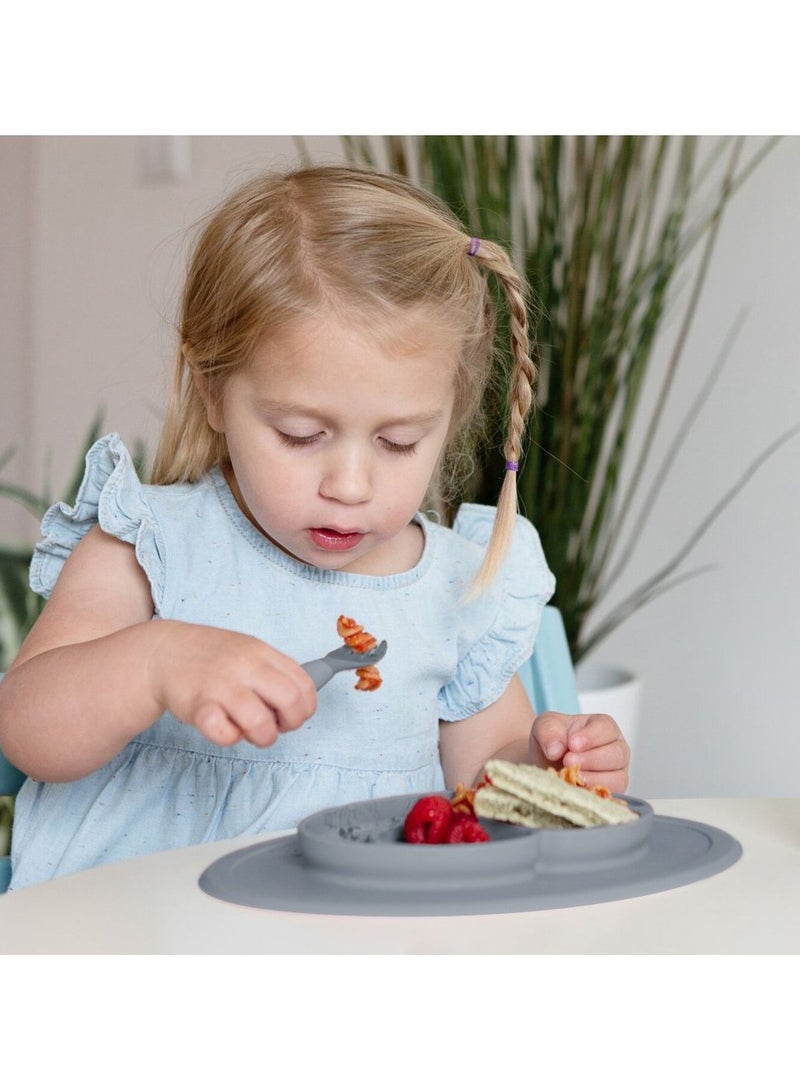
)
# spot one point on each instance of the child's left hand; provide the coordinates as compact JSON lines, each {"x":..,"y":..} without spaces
{"x":593,"y":741}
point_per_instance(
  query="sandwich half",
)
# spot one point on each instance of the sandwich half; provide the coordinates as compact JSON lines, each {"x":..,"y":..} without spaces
{"x":528,"y":796}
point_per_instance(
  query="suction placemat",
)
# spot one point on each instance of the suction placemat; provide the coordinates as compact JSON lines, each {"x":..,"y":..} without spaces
{"x":351,"y":861}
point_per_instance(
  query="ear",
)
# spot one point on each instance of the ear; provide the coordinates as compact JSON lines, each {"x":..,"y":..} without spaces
{"x":212,"y":399}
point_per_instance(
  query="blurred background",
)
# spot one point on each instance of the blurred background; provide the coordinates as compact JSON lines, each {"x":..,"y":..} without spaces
{"x":94,"y":232}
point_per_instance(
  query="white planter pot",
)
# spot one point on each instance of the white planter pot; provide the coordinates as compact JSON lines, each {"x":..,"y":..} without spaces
{"x":614,"y":691}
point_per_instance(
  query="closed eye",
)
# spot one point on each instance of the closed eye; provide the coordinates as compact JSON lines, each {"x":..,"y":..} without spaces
{"x":305,"y":441}
{"x":298,"y":441}
{"x":398,"y":448}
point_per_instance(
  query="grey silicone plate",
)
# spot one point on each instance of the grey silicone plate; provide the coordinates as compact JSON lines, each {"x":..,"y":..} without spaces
{"x":350,"y":860}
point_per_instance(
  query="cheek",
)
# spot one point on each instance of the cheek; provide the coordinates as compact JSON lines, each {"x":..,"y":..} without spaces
{"x":405,"y":492}
{"x":273,"y":489}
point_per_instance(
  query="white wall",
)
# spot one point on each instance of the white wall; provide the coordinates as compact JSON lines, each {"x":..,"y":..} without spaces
{"x":90,"y":263}
{"x":719,"y":656}
{"x":108,"y":255}
{"x":16,"y":207}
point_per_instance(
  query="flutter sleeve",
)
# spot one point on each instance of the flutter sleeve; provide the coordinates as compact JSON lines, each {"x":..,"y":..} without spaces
{"x":510,"y":613}
{"x":110,"y":496}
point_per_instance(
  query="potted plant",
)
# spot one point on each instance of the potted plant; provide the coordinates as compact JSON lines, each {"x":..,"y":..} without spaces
{"x":611,"y":232}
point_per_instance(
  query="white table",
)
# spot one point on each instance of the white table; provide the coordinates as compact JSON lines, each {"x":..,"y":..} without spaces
{"x":153,"y":905}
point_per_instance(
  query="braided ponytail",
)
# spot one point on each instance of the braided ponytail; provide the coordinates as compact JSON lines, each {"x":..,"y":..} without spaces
{"x":520,"y":399}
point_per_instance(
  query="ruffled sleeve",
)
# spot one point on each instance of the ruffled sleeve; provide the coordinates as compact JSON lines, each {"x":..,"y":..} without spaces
{"x":508,"y":616}
{"x":111,"y":496}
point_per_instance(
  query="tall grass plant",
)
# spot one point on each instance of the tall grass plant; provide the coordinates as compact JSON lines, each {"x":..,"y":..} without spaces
{"x":615,"y":234}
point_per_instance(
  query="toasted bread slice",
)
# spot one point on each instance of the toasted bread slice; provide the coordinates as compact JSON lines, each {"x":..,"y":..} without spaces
{"x":534,"y":797}
{"x":491,"y":802}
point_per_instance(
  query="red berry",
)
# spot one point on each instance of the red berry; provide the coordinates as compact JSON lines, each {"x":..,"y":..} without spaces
{"x":428,"y":821}
{"x":466,"y":828}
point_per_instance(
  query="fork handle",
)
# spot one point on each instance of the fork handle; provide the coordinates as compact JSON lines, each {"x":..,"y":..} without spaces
{"x":320,"y":670}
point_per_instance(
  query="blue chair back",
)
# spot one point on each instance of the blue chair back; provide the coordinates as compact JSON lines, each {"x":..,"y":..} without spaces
{"x":549,"y":675}
{"x":11,"y":780}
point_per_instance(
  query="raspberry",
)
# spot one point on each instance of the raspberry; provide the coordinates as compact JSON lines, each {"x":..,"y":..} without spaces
{"x":428,"y":821}
{"x":465,"y":828}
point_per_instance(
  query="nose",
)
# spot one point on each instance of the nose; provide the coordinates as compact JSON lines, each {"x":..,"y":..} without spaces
{"x":347,"y":476}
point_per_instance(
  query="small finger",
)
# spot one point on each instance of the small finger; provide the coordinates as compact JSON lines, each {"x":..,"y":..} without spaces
{"x":291,"y":699}
{"x":550,"y":733}
{"x":613,"y":755}
{"x":605,"y":765}
{"x":214,"y":723}
{"x":255,"y":720}
{"x":593,"y":730}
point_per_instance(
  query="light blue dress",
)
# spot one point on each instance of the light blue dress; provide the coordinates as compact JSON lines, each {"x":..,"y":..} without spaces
{"x":448,"y":658}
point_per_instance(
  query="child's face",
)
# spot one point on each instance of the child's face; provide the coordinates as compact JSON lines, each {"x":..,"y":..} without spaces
{"x":334,"y":437}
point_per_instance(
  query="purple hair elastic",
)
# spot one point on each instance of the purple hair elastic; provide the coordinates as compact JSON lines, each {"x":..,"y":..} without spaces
{"x":474,"y":247}
{"x":513,"y":466}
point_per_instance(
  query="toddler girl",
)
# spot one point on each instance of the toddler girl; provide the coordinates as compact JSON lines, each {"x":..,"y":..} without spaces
{"x":336,"y":338}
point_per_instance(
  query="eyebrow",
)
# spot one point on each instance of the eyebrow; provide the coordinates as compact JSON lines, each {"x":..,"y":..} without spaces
{"x":293,"y":409}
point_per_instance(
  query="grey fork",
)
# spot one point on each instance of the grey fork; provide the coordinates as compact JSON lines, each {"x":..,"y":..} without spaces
{"x":342,"y":659}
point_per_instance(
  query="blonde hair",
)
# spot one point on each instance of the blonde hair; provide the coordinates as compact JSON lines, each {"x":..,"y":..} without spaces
{"x":371,"y":244}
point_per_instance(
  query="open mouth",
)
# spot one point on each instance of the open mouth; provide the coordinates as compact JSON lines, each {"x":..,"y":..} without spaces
{"x":328,"y":538}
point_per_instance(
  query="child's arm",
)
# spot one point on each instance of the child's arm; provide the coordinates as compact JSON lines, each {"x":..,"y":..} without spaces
{"x":507,"y":729}
{"x":96,"y":669}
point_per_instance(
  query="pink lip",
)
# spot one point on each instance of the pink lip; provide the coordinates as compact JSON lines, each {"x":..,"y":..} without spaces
{"x":328,"y":538}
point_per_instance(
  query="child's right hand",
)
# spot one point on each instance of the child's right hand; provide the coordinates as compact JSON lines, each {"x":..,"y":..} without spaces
{"x":228,"y":685}
{"x":97,"y":669}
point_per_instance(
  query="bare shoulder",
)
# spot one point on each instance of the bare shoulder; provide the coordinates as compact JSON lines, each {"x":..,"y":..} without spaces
{"x":101,"y":589}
